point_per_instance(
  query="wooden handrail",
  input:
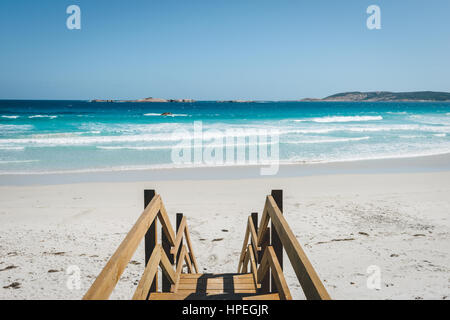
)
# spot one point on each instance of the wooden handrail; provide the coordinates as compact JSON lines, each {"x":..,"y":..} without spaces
{"x":110,"y":275}
{"x":167,"y":268}
{"x":189,"y":246}
{"x":179,"y":269}
{"x":189,"y":263}
{"x":253,"y":267}
{"x":249,"y":232}
{"x":243,"y":251}
{"x":251,"y":254}
{"x":264,"y":222}
{"x":253,"y":235}
{"x":179,"y":236}
{"x":306,"y":275}
{"x":145,"y":283}
{"x":270,"y":259}
{"x":166,"y":225}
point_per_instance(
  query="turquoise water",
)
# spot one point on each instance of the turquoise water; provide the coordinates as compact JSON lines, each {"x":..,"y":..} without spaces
{"x":61,"y":136}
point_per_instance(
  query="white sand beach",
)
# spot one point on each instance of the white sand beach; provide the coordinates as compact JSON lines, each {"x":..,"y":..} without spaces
{"x":345,"y":222}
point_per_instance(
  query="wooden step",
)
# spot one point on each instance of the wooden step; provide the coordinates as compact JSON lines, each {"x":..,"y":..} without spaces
{"x":196,"y":296}
{"x":227,"y":286}
{"x":217,"y":283}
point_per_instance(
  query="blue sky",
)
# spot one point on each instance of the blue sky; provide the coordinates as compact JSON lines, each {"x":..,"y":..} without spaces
{"x":221,"y":49}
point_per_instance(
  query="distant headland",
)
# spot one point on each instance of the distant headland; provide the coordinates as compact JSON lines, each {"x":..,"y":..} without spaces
{"x":356,"y":96}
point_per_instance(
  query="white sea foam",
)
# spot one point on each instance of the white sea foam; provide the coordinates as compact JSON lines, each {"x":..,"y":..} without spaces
{"x":17,"y":161}
{"x":378,"y":128}
{"x":15,"y":128}
{"x":328,"y":140}
{"x":10,"y":117}
{"x":42,"y":116}
{"x":440,"y":135}
{"x":168,"y":115}
{"x":12,"y":148}
{"x":203,"y":145}
{"x":133,"y":148}
{"x":49,"y":140}
{"x":57,"y":135}
{"x":341,"y":119}
{"x":77,"y":139}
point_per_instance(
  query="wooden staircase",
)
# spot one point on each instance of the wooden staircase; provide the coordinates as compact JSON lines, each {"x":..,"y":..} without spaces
{"x":226,"y":286}
{"x":260,"y":267}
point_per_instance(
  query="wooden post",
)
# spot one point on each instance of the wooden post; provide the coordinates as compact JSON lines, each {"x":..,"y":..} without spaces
{"x":276,"y":241}
{"x":265,"y":282}
{"x":151,"y":238}
{"x":166,"y":284}
{"x":179,"y":218}
{"x":255,"y":223}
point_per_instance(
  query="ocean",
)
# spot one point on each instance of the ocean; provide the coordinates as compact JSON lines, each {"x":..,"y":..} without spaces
{"x":80,"y":136}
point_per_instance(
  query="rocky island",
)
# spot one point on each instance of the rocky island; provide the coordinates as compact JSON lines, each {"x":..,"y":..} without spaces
{"x":150,"y":100}
{"x":418,"y":96}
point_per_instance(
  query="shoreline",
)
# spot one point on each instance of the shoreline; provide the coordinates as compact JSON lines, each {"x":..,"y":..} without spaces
{"x":432,"y":163}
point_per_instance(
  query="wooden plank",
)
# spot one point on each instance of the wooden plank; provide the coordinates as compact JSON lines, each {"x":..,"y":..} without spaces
{"x":275,"y":242}
{"x":178,"y":271}
{"x":307,"y":276}
{"x":143,"y":288}
{"x":269,"y":296}
{"x":244,"y":249}
{"x":216,"y":291}
{"x":167,"y":239}
{"x":217,"y":286}
{"x":216,"y":275}
{"x":166,"y":285}
{"x":191,"y":251}
{"x":254,"y":216}
{"x":264,"y":266}
{"x":108,"y":277}
{"x":151,"y":237}
{"x":193,"y":296}
{"x":264,"y":222}
{"x":228,"y":281}
{"x":264,"y":280}
{"x":235,"y":280}
{"x":188,"y":262}
{"x":168,"y":296}
{"x":253,"y":235}
{"x":167,"y":268}
{"x":245,"y":264}
{"x":179,"y":237}
{"x":166,"y":225}
{"x":278,"y":276}
{"x":253,"y":268}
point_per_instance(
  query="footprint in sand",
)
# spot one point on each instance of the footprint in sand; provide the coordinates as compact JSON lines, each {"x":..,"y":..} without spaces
{"x":212,"y":258}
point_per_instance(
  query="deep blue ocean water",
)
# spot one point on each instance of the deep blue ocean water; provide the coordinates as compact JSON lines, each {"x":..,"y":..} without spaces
{"x":60,"y":136}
